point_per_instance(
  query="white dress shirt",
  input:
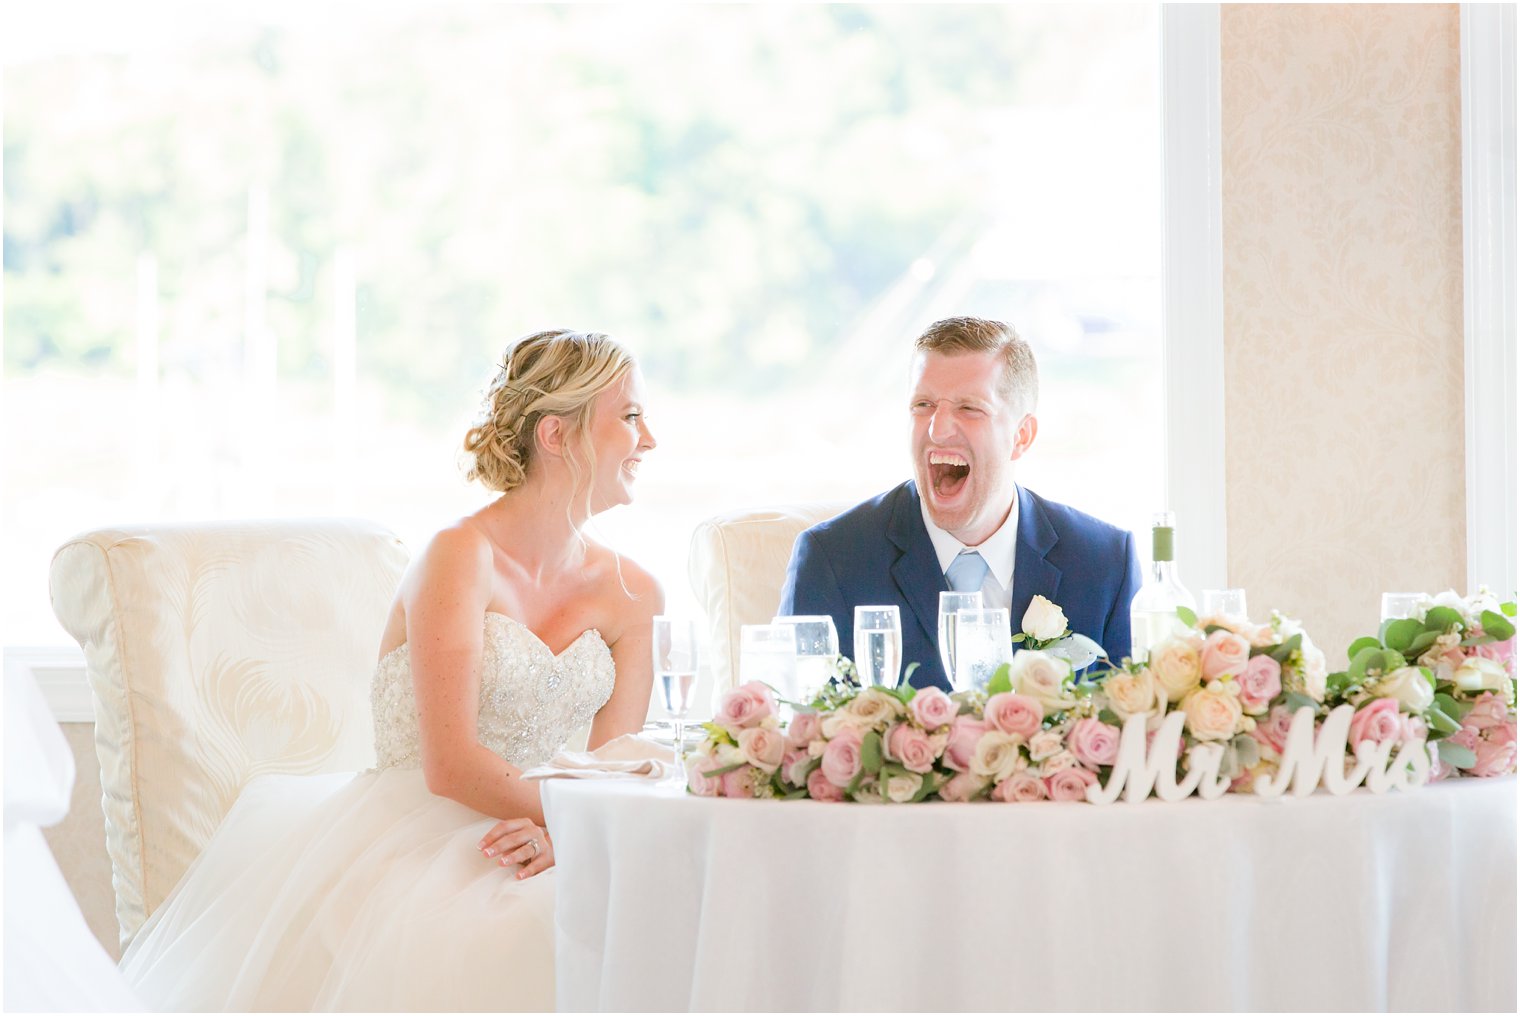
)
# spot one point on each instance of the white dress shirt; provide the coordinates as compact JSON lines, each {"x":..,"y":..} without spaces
{"x":997,"y":550}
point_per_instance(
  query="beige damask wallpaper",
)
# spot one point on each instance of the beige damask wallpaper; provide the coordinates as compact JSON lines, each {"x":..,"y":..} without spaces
{"x":1342,"y":189}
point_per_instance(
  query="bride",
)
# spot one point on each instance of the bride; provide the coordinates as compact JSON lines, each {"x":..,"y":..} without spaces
{"x":421,"y":884}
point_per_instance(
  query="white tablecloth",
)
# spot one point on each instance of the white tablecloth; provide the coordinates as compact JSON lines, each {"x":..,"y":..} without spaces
{"x":1393,"y":902}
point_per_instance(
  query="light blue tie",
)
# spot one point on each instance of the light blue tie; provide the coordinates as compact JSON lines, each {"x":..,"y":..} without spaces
{"x":967,"y":572}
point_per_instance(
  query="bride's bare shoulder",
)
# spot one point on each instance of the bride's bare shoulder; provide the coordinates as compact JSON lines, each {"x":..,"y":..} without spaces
{"x":632,"y":590}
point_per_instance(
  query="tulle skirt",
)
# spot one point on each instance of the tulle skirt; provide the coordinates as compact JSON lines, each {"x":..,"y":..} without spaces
{"x":349,"y":893}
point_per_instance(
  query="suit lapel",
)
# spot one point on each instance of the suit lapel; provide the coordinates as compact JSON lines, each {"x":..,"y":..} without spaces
{"x":916,"y":570}
{"x":1032,"y":573}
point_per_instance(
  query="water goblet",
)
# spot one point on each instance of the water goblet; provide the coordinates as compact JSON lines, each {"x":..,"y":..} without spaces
{"x":675,"y":671}
{"x":983,"y":644}
{"x":768,"y":653}
{"x":878,"y":646}
{"x":950,"y":603}
{"x":1230,"y":603}
{"x":817,"y":642}
{"x":1401,"y":605}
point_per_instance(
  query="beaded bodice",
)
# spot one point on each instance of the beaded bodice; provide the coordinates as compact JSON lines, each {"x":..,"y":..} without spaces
{"x":531,"y":701}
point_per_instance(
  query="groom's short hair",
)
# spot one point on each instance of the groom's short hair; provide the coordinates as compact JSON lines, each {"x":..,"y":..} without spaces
{"x":1021,"y":379}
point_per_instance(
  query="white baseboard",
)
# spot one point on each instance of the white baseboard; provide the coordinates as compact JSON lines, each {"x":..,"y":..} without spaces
{"x":59,"y":672}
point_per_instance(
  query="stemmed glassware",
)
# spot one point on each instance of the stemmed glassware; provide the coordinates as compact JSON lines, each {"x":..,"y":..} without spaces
{"x":817,"y":645}
{"x":768,"y":653}
{"x":983,"y":643}
{"x":949,"y":604}
{"x":878,"y":646}
{"x":1400,"y":605}
{"x":675,"y":671}
{"x":1229,"y":603}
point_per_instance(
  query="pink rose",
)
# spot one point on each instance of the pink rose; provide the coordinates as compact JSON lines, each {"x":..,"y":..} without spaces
{"x":1094,"y":742}
{"x":1272,"y":732}
{"x":1377,"y":721}
{"x":1070,"y":784}
{"x":741,"y":782}
{"x":803,"y":728}
{"x":820,"y":789}
{"x":1260,"y":683}
{"x":932,"y":708}
{"x":1019,"y":788}
{"x":762,"y":747}
{"x":697,"y":779}
{"x":1499,"y":652}
{"x":1488,"y":710}
{"x":910,"y":746}
{"x":1467,"y":738}
{"x":960,"y":787}
{"x":841,"y":757}
{"x":1019,"y":715}
{"x":745,"y":706}
{"x":1495,"y":751}
{"x":964,"y":734}
{"x":1224,"y":652}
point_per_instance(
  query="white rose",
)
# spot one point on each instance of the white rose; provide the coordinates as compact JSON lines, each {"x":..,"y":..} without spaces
{"x":1407,"y":685}
{"x":1044,"y":744}
{"x":1042,"y":677}
{"x":1056,"y":763}
{"x":1043,"y":620}
{"x":871,"y":708}
{"x":1213,"y":713}
{"x":1177,"y":663}
{"x":1477,"y":673}
{"x":1134,"y":694}
{"x":728,"y":755}
{"x":1312,"y":670}
{"x":996,"y":756}
{"x":902,"y":788}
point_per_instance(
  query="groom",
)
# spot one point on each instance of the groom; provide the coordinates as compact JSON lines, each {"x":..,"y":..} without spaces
{"x":961,"y":522}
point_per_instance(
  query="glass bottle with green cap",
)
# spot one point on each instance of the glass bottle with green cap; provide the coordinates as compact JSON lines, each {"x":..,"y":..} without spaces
{"x":1153,"y":612}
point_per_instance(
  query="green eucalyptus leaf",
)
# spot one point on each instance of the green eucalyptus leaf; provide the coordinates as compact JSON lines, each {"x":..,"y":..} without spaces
{"x":1392,"y":660}
{"x":1370,"y":656}
{"x":1430,"y":676}
{"x":1288,"y":648}
{"x":1297,"y":700}
{"x":1452,"y":707}
{"x":1188,"y":617}
{"x":1440,"y":619}
{"x":1400,"y":634}
{"x":870,"y":753}
{"x":1365,"y":642}
{"x":1456,"y":755}
{"x":1000,"y":682}
{"x":930,"y":785}
{"x":1420,"y":643}
{"x":1111,"y":718}
{"x":1336,"y":684}
{"x":1507,"y":608}
{"x":1497,"y":626}
{"x":1440,"y":722}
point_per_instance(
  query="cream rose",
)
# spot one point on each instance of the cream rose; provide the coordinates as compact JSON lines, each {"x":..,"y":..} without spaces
{"x":900,"y":789}
{"x":1043,"y":620}
{"x":1312,"y":670}
{"x":1478,"y":673}
{"x":1043,"y":678}
{"x":1178,"y":666}
{"x":1409,"y":686}
{"x":870,"y":708}
{"x":1134,"y":694}
{"x":1059,"y":762}
{"x":997,"y":756}
{"x":1045,"y":744}
{"x":1213,"y":713}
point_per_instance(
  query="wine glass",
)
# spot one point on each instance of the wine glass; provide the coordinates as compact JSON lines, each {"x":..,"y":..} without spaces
{"x":1230,"y":603}
{"x":1401,"y":605}
{"x":983,"y":643}
{"x":817,"y":642}
{"x":949,"y":603}
{"x":675,"y":671}
{"x":878,"y":646}
{"x":768,"y":653}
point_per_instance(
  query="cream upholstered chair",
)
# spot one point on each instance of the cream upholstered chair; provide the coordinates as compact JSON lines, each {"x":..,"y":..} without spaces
{"x":216,"y":653}
{"x":737,"y":564}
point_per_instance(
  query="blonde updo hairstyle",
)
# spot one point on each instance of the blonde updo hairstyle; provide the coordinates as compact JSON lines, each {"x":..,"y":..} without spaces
{"x":554,"y":373}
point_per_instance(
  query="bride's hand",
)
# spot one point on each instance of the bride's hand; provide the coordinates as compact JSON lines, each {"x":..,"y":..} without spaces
{"x":520,"y":841}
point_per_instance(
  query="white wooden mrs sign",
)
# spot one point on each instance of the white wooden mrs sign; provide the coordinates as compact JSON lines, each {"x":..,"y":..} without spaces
{"x":1308,"y":762}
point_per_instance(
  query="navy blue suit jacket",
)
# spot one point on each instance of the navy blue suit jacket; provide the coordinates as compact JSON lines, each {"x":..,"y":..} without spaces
{"x":879,"y":553}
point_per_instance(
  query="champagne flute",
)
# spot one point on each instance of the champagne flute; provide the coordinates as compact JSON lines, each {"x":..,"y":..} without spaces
{"x":675,"y":671}
{"x":983,"y":643}
{"x":878,"y":646}
{"x":817,"y":642}
{"x":950,"y":603}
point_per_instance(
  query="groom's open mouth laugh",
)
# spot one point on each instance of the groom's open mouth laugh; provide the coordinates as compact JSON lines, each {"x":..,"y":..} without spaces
{"x":948,"y":472}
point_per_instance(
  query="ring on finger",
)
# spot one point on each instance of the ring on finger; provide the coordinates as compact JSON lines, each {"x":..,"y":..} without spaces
{"x":534,"y":844}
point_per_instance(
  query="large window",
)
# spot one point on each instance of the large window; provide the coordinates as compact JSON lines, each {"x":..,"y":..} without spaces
{"x":260,"y":260}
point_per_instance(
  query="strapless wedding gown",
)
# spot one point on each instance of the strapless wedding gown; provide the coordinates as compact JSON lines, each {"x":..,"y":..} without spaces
{"x":367,"y":892}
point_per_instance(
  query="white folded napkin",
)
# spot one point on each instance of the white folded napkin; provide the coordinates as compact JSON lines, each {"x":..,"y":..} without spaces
{"x":629,"y":756}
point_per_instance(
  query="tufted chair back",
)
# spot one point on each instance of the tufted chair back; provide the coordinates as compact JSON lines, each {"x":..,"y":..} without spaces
{"x":737,"y":565}
{"x":219,"y":652}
